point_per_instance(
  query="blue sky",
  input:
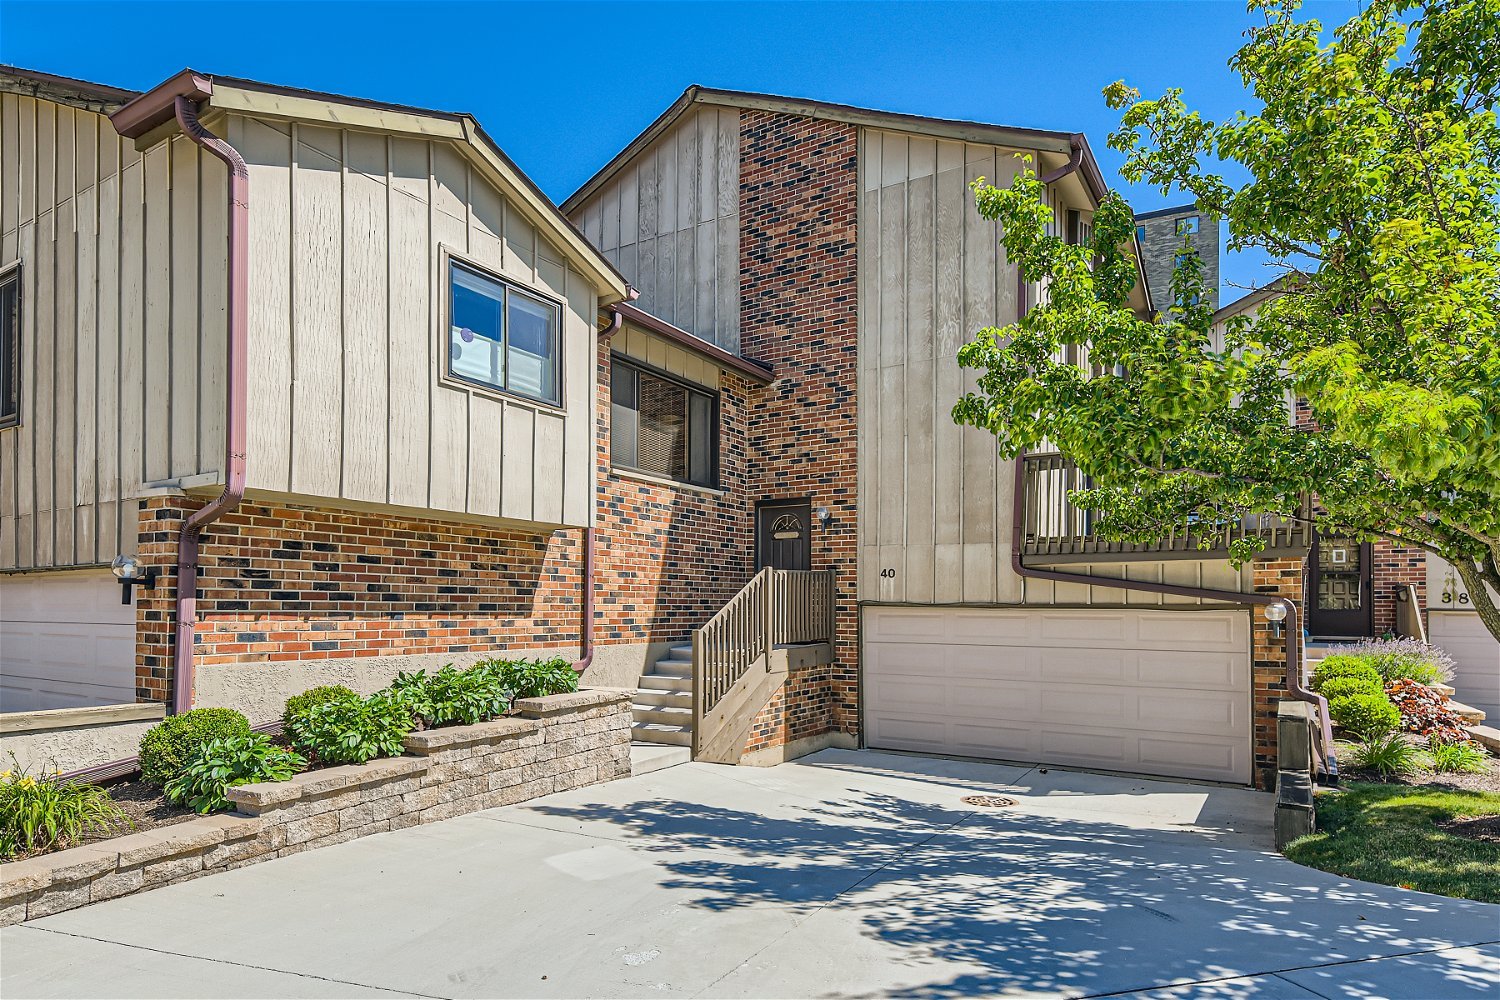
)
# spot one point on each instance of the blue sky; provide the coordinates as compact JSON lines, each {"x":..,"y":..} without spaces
{"x":563,"y":86}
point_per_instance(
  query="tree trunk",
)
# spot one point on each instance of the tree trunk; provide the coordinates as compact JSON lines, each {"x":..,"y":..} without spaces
{"x":1478,"y":581}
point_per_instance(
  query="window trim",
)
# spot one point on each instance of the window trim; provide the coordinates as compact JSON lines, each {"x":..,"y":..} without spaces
{"x":9,"y":273}
{"x":714,"y":484}
{"x":452,"y":259}
{"x":1186,"y":221}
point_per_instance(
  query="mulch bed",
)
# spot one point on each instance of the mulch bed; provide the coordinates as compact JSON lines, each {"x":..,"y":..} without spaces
{"x":1485,"y":828}
{"x":146,"y":808}
{"x":1489,"y":781}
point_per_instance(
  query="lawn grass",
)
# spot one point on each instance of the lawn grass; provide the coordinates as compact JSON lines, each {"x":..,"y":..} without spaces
{"x":1389,"y":834}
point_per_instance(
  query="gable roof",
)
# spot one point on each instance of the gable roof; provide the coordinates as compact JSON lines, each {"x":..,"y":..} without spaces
{"x":943,"y":128}
{"x":148,"y":118}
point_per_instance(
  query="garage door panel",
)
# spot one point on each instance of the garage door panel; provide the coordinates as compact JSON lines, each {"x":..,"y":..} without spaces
{"x":1476,"y":655}
{"x":65,"y":641}
{"x":1028,"y":695}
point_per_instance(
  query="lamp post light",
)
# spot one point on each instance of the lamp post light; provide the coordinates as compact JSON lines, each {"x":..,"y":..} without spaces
{"x":1276,"y":614}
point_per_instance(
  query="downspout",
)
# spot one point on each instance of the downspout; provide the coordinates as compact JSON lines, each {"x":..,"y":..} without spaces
{"x":1075,"y":160}
{"x":586,"y":632}
{"x":235,"y":401}
{"x":1293,"y":628}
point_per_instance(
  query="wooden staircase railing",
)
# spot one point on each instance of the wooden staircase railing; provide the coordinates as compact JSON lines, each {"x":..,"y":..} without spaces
{"x":778,"y":607}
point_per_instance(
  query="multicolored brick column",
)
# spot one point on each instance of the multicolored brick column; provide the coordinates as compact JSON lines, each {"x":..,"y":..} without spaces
{"x":1283,"y":577}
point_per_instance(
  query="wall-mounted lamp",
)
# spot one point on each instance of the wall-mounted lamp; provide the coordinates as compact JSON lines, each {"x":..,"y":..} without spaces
{"x":129,"y":571}
{"x":1276,"y":614}
{"x":823,"y":516}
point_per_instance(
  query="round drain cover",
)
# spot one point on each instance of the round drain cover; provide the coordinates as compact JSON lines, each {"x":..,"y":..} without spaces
{"x":988,"y":801}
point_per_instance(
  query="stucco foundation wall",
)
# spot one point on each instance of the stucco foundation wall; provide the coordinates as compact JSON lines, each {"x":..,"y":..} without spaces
{"x":558,"y":742}
{"x":60,"y":750}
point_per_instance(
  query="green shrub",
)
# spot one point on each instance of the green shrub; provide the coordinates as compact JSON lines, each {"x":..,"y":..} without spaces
{"x":1339,"y":687}
{"x":411,"y":690}
{"x":341,"y":731}
{"x":533,"y":678}
{"x":1400,"y":659}
{"x":466,"y":696}
{"x":315,"y":696}
{"x":1459,"y":758}
{"x":170,"y":744}
{"x":1342,"y":665}
{"x":1388,"y":755}
{"x":43,"y":814}
{"x":1365,"y":715}
{"x":224,"y":763}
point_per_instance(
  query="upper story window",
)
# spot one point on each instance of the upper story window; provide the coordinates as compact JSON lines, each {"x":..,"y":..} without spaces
{"x":10,"y":347}
{"x":1187,"y":225}
{"x":502,"y":336}
{"x":661,"y":426}
{"x":1140,"y":234}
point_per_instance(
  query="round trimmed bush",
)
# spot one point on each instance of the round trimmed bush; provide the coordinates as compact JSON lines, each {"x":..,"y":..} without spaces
{"x":1341,"y":665}
{"x":1339,"y":687}
{"x":168,"y":746}
{"x":1366,"y":715}
{"x":300,"y":703}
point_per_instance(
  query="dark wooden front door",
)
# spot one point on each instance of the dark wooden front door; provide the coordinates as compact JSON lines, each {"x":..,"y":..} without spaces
{"x":783,"y":538}
{"x":1339,"y":599}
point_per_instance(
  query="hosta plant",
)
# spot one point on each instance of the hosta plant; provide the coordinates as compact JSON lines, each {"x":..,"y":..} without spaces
{"x":41,"y":814}
{"x":221,"y":764}
{"x":350,"y":732}
{"x":1388,"y":756}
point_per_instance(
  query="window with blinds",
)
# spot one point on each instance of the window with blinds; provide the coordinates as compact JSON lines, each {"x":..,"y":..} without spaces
{"x":661,"y":426}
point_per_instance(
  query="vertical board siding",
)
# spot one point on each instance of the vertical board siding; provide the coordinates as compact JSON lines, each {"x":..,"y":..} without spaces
{"x":670,"y":222}
{"x":349,"y":297}
{"x":935,"y":499}
{"x":121,"y":345}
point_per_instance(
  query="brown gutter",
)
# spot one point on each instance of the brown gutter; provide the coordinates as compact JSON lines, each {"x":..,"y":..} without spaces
{"x":178,"y":98}
{"x":1293,"y":629}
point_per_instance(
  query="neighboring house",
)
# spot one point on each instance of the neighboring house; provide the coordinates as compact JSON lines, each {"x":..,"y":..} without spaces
{"x":1357,"y":590}
{"x":417,"y":432}
{"x":1165,"y":236}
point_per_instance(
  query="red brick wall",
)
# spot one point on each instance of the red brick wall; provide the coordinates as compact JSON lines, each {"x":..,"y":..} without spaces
{"x":667,"y":557}
{"x":798,"y":311}
{"x":1395,"y":566}
{"x":1283,"y":577}
{"x":298,"y":583}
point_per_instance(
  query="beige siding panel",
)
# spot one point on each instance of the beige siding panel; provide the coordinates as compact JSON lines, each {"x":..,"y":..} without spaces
{"x":184,"y":307}
{"x":486,"y":464}
{"x":579,"y":386}
{"x":366,"y":448}
{"x":65,"y":363}
{"x":43,"y":422}
{"x":132,"y":300}
{"x":268,"y":150}
{"x":10,"y":165}
{"x":670,"y":221}
{"x":213,"y":311}
{"x":448,"y":486}
{"x":412,"y":371}
{"x":317,"y":319}
{"x":111,"y":377}
{"x":158,"y":352}
{"x":519,"y":447}
{"x":86,"y":369}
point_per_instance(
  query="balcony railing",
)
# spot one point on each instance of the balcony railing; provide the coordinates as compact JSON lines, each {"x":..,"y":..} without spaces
{"x":1054,"y":529}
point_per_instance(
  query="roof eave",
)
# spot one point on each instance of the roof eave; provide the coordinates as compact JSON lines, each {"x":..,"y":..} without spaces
{"x":756,"y":371}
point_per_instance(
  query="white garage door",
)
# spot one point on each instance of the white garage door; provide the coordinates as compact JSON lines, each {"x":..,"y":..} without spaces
{"x":1155,"y":692}
{"x":65,"y":641}
{"x":1476,"y":679}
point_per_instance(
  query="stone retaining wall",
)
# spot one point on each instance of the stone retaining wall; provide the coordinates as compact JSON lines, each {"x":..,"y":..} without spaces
{"x":557,"y":742}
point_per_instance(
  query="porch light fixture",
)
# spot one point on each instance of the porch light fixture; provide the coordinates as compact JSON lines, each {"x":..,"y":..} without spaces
{"x":129,"y":571}
{"x":823,"y":516}
{"x":1276,"y":614}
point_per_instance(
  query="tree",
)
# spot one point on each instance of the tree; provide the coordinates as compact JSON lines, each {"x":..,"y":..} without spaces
{"x":1374,"y":188}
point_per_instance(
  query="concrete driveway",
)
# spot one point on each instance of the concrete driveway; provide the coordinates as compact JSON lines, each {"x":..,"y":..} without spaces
{"x":844,"y":874}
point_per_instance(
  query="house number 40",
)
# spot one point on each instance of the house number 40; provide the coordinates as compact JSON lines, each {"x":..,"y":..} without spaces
{"x":888,"y":574}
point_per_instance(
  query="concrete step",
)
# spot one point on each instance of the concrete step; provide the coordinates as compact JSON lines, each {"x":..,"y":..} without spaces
{"x":1443,"y":689}
{"x":648,"y":757}
{"x":664,"y":697}
{"x":674,"y":668}
{"x":682,"y":652}
{"x":665,"y":714}
{"x":1469,"y":715}
{"x":655,"y":732}
{"x":1489,"y":736}
{"x":667,"y":682}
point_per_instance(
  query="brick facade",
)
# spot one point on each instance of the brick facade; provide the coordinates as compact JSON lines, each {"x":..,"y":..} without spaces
{"x":280,"y":582}
{"x":799,"y":181}
{"x":1284,"y":578}
{"x":668,"y":557}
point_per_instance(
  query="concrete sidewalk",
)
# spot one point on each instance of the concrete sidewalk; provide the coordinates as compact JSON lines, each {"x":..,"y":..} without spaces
{"x":844,"y":874}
